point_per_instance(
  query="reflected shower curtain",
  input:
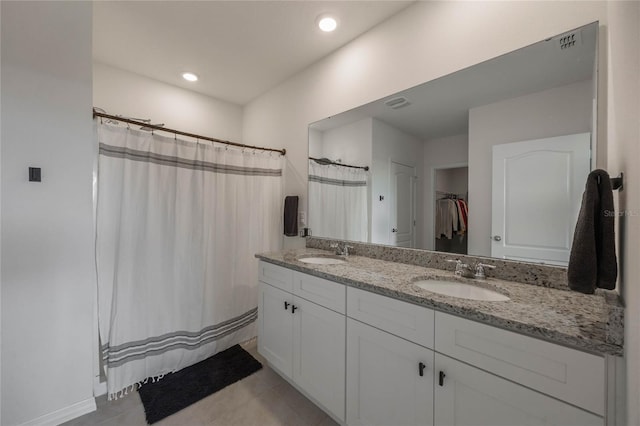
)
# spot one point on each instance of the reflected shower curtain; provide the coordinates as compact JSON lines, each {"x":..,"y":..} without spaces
{"x":338,"y":202}
{"x":178,"y":224}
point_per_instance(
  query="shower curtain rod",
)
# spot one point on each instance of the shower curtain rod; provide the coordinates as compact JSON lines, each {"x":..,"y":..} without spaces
{"x":178,"y":132}
{"x":327,"y":161}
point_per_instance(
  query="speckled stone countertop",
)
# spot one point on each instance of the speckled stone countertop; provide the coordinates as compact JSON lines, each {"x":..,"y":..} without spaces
{"x":593,"y":323}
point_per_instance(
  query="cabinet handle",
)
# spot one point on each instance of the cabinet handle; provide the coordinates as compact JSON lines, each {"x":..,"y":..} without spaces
{"x":441,"y":378}
{"x":421,"y":367}
{"x":286,"y":305}
{"x":293,"y":309}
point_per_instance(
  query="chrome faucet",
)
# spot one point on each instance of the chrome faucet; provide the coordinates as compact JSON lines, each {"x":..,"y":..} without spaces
{"x":462,"y":269}
{"x":341,"y":251}
{"x":480,"y":267}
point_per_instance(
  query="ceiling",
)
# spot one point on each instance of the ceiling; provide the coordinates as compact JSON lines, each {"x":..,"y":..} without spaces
{"x":239,"y":49}
{"x":440,"y":107}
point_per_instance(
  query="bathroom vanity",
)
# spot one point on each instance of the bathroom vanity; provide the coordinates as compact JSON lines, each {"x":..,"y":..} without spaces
{"x":370,"y":347}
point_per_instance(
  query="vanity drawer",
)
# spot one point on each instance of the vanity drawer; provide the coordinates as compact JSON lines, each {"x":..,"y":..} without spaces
{"x":277,"y":276}
{"x":412,"y":322}
{"x":567,"y":374}
{"x":323,"y":292}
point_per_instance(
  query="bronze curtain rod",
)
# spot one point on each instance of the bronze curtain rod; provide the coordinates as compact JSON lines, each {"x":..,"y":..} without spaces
{"x":327,"y":161}
{"x":178,"y":132}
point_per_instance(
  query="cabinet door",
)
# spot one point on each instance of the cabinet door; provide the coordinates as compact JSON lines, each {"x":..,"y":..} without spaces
{"x":469,"y":396}
{"x":319,"y":354}
{"x":384,"y":385}
{"x":275,"y":328}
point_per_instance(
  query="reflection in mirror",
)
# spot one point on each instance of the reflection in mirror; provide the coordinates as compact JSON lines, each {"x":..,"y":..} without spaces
{"x":489,"y":161}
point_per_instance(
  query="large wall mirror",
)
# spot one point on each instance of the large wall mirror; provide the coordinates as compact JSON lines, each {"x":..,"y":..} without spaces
{"x":488,"y":161}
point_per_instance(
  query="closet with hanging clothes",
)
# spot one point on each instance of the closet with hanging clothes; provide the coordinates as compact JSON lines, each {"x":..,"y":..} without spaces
{"x":451,"y":215}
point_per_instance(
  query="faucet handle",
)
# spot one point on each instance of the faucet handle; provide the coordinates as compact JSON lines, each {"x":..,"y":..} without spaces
{"x":480,"y":267}
{"x":346,"y":249}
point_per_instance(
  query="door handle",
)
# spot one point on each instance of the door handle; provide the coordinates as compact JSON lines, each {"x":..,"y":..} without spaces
{"x":394,"y":229}
{"x":421,"y":367}
{"x":286,"y":305}
{"x":441,"y":378}
{"x":497,"y":238}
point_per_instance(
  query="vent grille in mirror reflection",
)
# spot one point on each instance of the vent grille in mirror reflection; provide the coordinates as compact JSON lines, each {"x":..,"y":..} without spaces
{"x":398,"y":102}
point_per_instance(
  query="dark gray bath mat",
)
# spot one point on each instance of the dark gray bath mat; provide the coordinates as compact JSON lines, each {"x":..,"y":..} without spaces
{"x":181,"y":389}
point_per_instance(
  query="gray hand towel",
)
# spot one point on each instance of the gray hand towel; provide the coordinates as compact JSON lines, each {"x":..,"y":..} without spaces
{"x":592,"y":263}
{"x":291,"y":216}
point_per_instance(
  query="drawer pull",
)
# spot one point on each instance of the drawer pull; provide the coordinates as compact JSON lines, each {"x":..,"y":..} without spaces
{"x":421,"y":367}
{"x":441,"y":378}
{"x":286,"y":305}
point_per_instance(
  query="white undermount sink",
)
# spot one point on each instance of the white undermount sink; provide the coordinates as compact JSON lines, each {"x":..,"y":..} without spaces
{"x":322,"y":260}
{"x":461,"y":290}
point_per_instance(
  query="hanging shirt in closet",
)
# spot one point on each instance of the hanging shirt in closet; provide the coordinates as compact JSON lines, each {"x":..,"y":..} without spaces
{"x":446,"y":218}
{"x":451,"y":217}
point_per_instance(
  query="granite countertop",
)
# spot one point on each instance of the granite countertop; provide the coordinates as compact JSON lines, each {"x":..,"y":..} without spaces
{"x":593,"y":323}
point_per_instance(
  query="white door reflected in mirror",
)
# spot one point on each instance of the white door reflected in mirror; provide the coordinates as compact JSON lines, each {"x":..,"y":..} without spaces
{"x":527,"y":226}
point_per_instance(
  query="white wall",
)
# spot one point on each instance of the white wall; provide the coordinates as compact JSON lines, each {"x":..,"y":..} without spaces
{"x":350,"y":143}
{"x":438,"y":153}
{"x":315,"y":143}
{"x":555,"y":112}
{"x":392,"y":144}
{"x":455,"y":180}
{"x":623,"y":110}
{"x":132,"y":95}
{"x":47,"y":230}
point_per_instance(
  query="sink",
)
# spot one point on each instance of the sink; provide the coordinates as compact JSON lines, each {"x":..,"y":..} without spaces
{"x":322,"y":260}
{"x":461,"y":290}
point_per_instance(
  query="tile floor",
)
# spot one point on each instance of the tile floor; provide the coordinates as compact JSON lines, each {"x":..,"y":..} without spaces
{"x":263,"y":399}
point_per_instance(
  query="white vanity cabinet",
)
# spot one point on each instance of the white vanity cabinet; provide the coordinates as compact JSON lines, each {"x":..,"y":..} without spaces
{"x":302,"y":339}
{"x":373,"y":360}
{"x":389,"y":378}
{"x":475,"y":375}
{"x":567,"y":374}
{"x":472,"y":397}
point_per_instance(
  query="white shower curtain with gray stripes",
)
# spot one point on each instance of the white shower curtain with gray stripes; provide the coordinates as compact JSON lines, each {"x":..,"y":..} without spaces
{"x":338,"y":202}
{"x":178,"y":225}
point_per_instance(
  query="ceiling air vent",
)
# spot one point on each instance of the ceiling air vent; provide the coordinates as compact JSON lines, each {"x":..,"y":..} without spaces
{"x":569,"y":40}
{"x":397,"y":103}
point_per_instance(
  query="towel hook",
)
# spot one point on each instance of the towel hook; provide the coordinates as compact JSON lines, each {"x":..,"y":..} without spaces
{"x":617,"y":183}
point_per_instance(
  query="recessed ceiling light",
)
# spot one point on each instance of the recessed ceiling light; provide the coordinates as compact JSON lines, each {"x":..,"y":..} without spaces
{"x":327,"y":23}
{"x":189,"y":76}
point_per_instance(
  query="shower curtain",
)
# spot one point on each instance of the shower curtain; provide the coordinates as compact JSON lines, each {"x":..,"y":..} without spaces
{"x":338,"y":202}
{"x":178,"y":224}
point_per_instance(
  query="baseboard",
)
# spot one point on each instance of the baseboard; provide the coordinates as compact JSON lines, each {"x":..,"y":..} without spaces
{"x":64,"y":414}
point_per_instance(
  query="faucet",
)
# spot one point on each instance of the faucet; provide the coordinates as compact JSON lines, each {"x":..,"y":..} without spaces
{"x":467,"y":271}
{"x":341,"y":251}
{"x":462,"y":269}
{"x":480,"y":275}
